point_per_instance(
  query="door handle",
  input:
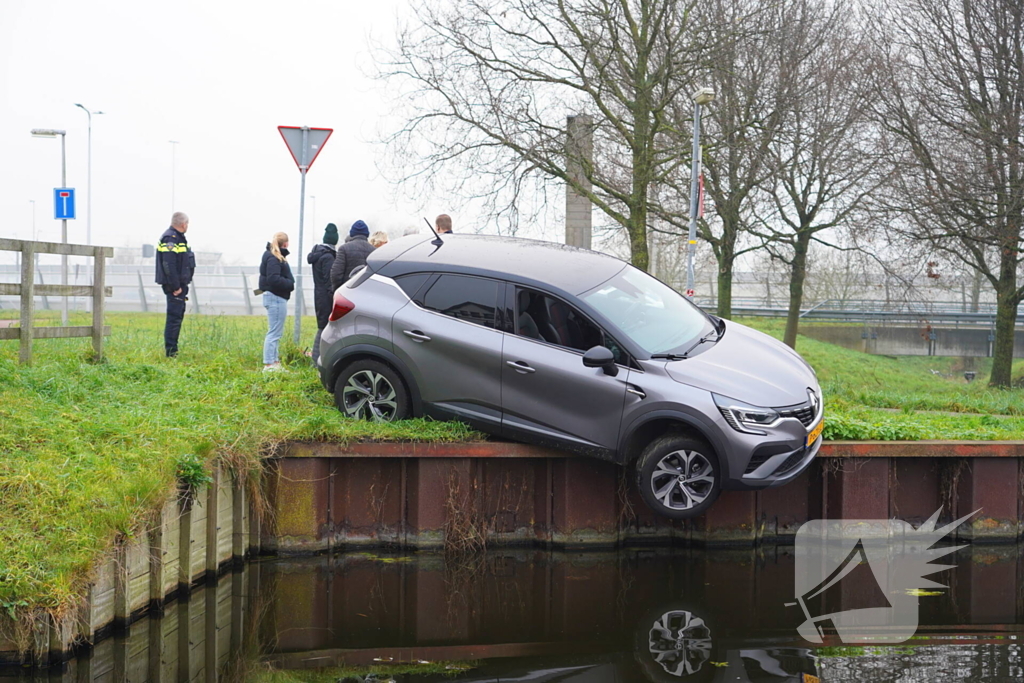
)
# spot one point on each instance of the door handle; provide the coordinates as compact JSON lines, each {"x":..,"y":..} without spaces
{"x":416,"y":335}
{"x":636,"y":391}
{"x":519,"y":366}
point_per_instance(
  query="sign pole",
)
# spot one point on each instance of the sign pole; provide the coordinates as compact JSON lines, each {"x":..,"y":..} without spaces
{"x":303,"y":167}
{"x":63,"y":234}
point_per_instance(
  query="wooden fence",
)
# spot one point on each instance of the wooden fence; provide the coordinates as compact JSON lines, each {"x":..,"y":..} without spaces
{"x":28,"y":290}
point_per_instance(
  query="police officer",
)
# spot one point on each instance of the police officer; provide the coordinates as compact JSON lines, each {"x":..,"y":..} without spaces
{"x":175,"y":264}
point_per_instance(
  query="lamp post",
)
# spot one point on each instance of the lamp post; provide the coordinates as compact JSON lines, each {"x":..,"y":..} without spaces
{"x":33,"y":203}
{"x":52,"y":133}
{"x":702,"y":97}
{"x":174,"y":169}
{"x":88,"y":177}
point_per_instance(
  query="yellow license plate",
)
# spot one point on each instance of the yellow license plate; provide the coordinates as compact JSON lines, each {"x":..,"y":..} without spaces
{"x":808,"y":678}
{"x":816,"y":432}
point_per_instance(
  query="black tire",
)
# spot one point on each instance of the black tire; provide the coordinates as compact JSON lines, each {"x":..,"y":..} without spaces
{"x":689,"y":494}
{"x":674,"y":643}
{"x":371,"y":390}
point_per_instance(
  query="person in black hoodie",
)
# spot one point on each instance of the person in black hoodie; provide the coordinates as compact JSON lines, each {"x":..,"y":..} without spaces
{"x":277,"y":284}
{"x":351,"y":255}
{"x":322,"y":258}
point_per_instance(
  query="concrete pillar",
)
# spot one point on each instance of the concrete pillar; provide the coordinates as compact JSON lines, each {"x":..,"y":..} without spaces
{"x":579,"y":155}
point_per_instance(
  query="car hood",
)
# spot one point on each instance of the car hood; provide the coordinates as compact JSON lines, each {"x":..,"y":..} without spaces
{"x":749,"y":366}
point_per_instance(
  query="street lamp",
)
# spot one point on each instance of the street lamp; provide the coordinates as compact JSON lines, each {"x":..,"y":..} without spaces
{"x":703,"y":97}
{"x":52,"y":133}
{"x":88,"y":189}
{"x":174,"y":169}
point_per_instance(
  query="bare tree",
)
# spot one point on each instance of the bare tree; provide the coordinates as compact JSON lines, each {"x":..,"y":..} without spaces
{"x":488,"y":85}
{"x":821,"y":157}
{"x":949,"y":94}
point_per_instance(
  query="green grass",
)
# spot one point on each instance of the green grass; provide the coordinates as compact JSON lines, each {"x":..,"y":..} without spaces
{"x":898,"y":399}
{"x":88,"y":450}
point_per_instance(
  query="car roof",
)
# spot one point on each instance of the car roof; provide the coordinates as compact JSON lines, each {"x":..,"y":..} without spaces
{"x":570,"y":269}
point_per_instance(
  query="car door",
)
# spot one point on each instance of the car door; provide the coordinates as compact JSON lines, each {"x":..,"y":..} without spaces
{"x":448,"y":337}
{"x":547,"y":395}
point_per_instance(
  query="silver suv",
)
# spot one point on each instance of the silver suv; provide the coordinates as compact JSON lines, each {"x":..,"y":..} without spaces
{"x":569,"y":348}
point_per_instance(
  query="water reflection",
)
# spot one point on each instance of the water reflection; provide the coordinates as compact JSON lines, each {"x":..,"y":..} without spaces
{"x":631,"y":615}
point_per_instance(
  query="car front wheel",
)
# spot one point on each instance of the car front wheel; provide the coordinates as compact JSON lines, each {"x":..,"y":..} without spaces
{"x":371,"y":390}
{"x":679,"y":476}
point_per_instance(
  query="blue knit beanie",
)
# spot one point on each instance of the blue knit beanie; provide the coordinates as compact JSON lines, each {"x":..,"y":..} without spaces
{"x":359,"y":228}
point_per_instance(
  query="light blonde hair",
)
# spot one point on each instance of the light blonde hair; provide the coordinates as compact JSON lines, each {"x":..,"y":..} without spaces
{"x":378,"y":238}
{"x":276,"y":242}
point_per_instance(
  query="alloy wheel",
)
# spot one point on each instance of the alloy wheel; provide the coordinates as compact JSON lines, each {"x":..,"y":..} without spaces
{"x":369,"y":395}
{"x":680,"y":642}
{"x":682,"y":480}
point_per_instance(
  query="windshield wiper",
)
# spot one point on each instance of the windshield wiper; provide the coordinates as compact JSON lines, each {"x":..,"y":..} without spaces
{"x":717,"y":334}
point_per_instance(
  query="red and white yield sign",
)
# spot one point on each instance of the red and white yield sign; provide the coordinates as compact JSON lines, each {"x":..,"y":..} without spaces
{"x":304,"y":153}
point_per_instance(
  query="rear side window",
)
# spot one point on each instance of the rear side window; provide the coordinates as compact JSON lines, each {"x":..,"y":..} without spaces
{"x":412,"y":283}
{"x":472,"y":299}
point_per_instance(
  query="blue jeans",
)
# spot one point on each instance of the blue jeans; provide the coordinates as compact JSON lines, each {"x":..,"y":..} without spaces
{"x":277,"y":311}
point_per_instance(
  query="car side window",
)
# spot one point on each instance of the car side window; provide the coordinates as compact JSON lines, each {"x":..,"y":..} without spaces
{"x":472,"y":299}
{"x":545,"y":318}
{"x":412,"y":283}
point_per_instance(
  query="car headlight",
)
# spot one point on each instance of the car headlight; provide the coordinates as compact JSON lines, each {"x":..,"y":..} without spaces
{"x":744,"y":417}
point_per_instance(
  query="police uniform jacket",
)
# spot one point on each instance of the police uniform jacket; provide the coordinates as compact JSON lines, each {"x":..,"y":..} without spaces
{"x":175,"y":262}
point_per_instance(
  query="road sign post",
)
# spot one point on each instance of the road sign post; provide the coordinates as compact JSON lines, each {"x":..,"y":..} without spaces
{"x":305,"y":144}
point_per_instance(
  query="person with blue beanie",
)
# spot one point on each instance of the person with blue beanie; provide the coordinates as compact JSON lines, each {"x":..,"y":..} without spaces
{"x":351,"y":255}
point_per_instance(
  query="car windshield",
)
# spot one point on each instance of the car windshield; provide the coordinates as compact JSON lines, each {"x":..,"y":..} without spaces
{"x":649,"y":312}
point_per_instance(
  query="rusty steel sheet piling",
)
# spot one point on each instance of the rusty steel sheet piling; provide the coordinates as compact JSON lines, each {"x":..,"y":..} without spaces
{"x":432,"y":496}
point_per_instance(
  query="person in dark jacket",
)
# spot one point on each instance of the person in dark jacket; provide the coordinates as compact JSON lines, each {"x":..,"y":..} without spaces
{"x":175,"y":265}
{"x":351,"y":255}
{"x":277,"y":284}
{"x":322,"y":258}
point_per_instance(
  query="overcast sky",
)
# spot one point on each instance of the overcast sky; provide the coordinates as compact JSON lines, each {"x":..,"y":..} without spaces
{"x":219,"y":77}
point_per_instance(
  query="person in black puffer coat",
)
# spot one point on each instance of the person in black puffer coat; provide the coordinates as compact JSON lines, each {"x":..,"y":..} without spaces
{"x":322,"y":258}
{"x":277,"y":284}
{"x":351,"y":255}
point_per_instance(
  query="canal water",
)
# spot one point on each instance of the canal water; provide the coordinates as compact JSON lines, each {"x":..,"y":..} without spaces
{"x":540,"y":616}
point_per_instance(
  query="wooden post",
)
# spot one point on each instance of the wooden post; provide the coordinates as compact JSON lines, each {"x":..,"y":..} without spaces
{"x":99,"y":301}
{"x":28,"y":279}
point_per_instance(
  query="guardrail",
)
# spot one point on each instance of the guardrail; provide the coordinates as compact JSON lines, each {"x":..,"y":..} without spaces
{"x":873,"y":311}
{"x":27,"y":289}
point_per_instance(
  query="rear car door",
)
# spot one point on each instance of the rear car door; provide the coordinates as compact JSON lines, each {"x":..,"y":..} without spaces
{"x":547,"y":395}
{"x":448,"y":337}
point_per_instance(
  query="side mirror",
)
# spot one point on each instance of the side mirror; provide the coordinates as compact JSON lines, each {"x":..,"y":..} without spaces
{"x":601,"y":357}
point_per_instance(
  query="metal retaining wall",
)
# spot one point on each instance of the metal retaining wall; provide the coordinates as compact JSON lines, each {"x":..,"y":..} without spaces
{"x":328,"y":497}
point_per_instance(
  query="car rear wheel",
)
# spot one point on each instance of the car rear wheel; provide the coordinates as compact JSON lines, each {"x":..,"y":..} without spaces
{"x":371,"y":390}
{"x":679,"y":476}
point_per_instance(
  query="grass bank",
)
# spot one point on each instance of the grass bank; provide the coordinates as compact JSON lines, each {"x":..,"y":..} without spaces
{"x":908,"y":397}
{"x":88,"y":450}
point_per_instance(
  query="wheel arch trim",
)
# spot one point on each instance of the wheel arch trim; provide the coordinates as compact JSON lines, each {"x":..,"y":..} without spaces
{"x":697,"y":423}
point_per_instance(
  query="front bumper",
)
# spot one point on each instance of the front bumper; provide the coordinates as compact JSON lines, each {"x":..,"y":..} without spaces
{"x":774,"y":459}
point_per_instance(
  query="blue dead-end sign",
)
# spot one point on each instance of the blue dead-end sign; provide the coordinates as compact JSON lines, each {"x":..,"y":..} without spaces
{"x":64,"y":203}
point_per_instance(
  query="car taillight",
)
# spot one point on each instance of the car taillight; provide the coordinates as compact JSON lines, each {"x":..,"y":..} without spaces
{"x":341,"y":307}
